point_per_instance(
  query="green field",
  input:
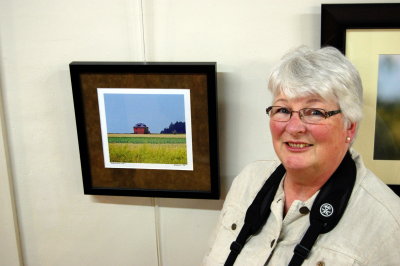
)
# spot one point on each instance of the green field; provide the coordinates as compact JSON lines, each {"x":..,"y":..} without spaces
{"x":149,"y":148}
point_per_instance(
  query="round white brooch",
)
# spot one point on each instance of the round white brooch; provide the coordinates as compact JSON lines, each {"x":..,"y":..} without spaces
{"x":326,"y":210}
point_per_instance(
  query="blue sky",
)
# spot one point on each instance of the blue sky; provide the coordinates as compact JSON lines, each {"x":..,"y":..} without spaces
{"x":157,"y":111}
{"x":389,"y":77}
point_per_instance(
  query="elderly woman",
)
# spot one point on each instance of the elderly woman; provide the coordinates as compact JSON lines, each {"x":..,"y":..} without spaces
{"x":320,"y":205}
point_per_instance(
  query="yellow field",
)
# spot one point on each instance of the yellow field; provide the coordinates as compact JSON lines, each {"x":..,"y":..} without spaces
{"x":148,"y":153}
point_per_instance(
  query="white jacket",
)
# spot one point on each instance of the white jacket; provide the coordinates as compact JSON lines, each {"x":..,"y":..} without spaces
{"x":367,"y":234}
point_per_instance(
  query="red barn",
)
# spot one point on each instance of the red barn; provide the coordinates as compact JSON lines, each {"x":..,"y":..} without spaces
{"x":140,"y":128}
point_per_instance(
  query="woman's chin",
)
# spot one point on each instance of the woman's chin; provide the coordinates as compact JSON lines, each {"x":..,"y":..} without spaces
{"x":295,"y":163}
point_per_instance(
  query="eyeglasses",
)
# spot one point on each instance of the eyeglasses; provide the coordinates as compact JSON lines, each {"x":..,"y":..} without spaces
{"x":307,"y":115}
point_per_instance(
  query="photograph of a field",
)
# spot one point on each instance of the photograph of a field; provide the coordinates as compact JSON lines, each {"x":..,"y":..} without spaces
{"x":149,"y":148}
{"x":146,"y":128}
{"x":387,"y":123}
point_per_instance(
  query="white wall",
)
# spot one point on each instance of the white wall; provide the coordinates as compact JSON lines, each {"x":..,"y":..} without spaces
{"x":10,"y":252}
{"x":58,"y":224}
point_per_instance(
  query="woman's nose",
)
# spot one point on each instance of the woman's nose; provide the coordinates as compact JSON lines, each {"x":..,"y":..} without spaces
{"x":295,"y":125}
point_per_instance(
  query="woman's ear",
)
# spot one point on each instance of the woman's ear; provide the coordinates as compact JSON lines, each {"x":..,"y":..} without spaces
{"x":351,"y":131}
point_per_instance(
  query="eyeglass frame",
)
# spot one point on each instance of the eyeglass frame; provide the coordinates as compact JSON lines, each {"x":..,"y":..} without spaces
{"x":326,"y":114}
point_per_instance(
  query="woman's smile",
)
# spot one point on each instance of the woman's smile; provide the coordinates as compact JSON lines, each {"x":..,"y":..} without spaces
{"x":298,"y":146}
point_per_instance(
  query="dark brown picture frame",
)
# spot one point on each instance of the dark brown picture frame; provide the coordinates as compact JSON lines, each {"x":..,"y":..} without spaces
{"x":199,"y":78}
{"x":336,"y":19}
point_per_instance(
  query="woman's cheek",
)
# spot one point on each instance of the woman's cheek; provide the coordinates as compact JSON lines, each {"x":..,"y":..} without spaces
{"x":322,"y":132}
{"x":276,"y":128}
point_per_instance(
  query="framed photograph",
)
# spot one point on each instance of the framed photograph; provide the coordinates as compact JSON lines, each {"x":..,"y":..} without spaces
{"x":369,"y":35}
{"x":147,"y":129}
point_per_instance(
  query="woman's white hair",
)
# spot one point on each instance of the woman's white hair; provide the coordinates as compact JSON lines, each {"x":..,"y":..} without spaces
{"x":325,"y":72}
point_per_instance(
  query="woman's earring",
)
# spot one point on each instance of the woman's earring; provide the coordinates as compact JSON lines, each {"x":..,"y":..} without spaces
{"x":348,"y":139}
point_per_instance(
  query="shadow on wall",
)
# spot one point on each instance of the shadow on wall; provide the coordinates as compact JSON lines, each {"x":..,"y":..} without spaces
{"x":201,"y":204}
{"x":227,"y":151}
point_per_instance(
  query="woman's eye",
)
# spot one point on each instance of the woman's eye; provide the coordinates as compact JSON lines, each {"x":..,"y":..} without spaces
{"x":313,"y":112}
{"x":283,"y":111}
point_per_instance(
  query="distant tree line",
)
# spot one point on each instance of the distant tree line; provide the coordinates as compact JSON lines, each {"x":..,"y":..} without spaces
{"x":175,"y":128}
